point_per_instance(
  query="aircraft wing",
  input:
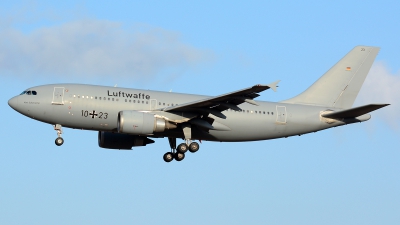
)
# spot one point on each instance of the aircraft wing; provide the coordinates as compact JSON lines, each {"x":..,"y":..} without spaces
{"x":215,"y":105}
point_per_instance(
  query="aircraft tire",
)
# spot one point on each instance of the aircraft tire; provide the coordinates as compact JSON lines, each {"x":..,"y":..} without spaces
{"x":179,"y":156}
{"x":194,"y":147}
{"x":182,"y":148}
{"x":59,"y":141}
{"x":168,"y":157}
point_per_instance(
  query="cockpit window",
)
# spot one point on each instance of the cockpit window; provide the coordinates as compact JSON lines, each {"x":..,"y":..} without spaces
{"x":29,"y":93}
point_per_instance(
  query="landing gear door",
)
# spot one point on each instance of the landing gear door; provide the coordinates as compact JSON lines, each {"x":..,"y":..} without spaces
{"x":58,"y":96}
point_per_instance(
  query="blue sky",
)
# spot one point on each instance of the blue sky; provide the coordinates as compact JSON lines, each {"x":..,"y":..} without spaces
{"x":345,"y":175}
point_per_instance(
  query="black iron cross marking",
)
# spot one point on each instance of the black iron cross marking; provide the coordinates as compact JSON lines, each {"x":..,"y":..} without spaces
{"x":93,"y":114}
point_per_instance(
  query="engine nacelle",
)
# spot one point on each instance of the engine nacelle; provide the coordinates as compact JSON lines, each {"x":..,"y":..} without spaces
{"x":121,"y":141}
{"x":140,"y":123}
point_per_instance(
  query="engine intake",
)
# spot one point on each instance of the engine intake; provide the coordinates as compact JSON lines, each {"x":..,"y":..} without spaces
{"x":140,"y":123}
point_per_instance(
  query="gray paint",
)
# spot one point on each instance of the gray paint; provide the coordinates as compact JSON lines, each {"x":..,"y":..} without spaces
{"x":340,"y":85}
{"x":79,"y":106}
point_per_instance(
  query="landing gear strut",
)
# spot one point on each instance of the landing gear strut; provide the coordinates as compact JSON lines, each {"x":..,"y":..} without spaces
{"x":178,"y":153}
{"x":59,"y":141}
{"x":169,"y":156}
{"x":192,"y":146}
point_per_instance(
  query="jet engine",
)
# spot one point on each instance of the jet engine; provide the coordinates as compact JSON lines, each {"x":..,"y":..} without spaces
{"x":141,"y":123}
{"x":121,"y":141}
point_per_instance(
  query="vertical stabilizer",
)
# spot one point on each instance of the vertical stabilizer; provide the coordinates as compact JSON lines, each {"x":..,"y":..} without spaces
{"x":339,"y":86}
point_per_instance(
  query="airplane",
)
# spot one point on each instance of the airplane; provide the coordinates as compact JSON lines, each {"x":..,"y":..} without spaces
{"x":127,"y":118}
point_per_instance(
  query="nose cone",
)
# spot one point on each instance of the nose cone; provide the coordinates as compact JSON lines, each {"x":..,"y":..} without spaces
{"x":13,"y":103}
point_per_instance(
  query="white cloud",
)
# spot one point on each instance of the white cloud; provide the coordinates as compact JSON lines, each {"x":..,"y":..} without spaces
{"x":382,"y":86}
{"x":93,"y":48}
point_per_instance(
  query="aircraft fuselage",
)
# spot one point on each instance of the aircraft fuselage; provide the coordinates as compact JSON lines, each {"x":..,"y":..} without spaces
{"x":91,"y":107}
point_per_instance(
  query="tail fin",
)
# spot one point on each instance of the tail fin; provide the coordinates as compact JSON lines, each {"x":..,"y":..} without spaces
{"x":339,"y":86}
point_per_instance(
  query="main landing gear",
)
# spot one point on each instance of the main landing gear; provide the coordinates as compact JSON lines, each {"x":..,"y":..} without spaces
{"x":178,"y":153}
{"x":59,"y":141}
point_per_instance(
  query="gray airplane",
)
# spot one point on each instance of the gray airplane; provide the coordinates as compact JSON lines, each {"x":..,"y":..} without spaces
{"x":126,"y":118}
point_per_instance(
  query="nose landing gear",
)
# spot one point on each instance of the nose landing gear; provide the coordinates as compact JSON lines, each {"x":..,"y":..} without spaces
{"x":59,"y":141}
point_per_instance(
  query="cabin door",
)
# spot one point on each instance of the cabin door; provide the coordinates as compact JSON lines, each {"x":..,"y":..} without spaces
{"x":281,"y":114}
{"x":58,"y":96}
{"x":280,"y":124}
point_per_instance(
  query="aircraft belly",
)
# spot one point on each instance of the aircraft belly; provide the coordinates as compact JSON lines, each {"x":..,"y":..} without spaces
{"x":244,"y":128}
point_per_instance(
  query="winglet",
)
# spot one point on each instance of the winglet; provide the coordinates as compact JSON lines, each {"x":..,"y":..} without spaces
{"x":273,"y":85}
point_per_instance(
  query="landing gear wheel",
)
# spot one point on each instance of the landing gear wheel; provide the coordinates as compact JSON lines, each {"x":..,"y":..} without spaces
{"x":59,"y":141}
{"x":179,"y":156}
{"x":168,"y":157}
{"x":194,"y":147}
{"x":182,"y":148}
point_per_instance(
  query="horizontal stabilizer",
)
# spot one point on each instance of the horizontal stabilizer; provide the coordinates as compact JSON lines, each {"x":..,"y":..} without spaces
{"x":354,"y":112}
